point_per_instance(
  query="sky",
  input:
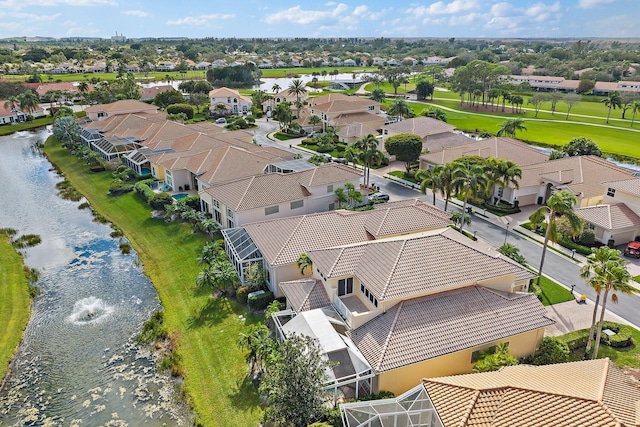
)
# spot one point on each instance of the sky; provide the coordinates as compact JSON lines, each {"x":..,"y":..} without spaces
{"x":295,"y":18}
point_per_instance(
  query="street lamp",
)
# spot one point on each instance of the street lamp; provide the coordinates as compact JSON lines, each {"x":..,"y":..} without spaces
{"x":506,"y":230}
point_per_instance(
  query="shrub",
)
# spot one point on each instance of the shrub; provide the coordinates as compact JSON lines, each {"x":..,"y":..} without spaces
{"x":260,"y":302}
{"x":325,"y":148}
{"x":611,"y":243}
{"x":552,"y":350}
{"x":569,"y":244}
{"x":120,"y":187}
{"x":242,"y":294}
{"x":193,"y":202}
{"x":621,"y":339}
{"x":160,"y":200}
{"x":384,"y":394}
{"x":181,"y":108}
{"x":588,"y":237}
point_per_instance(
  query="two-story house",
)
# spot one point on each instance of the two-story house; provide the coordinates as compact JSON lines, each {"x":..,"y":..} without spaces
{"x":420,"y":305}
{"x":341,"y":110}
{"x":231,"y":99}
{"x":277,"y":195}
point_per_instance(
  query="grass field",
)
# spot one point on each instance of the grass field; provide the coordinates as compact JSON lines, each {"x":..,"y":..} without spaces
{"x":553,"y":293}
{"x":206,"y":329}
{"x":14,"y":302}
{"x":628,"y":357}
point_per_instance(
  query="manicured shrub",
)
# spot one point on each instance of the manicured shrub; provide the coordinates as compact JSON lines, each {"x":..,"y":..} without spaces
{"x":160,"y":200}
{"x":588,"y":237}
{"x":193,"y":202}
{"x":242,"y":294}
{"x":142,"y":188}
{"x":325,"y":148}
{"x":260,"y":302}
{"x":551,"y":350}
{"x":181,"y":108}
{"x":621,"y":339}
{"x":118,"y":188}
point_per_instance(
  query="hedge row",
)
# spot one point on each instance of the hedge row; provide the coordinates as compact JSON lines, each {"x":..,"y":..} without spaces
{"x":260,"y":302}
{"x":155,"y":200}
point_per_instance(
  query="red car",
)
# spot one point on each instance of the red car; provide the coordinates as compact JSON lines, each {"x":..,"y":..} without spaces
{"x":632,"y":249}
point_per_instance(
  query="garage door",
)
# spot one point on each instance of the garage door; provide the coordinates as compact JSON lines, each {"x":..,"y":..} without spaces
{"x":527,"y":199}
{"x":623,"y":238}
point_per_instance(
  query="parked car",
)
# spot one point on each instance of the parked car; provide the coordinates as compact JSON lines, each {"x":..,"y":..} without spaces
{"x":379,"y":197}
{"x":221,"y":121}
{"x":68,"y":103}
{"x":632,"y":249}
{"x":339,"y":160}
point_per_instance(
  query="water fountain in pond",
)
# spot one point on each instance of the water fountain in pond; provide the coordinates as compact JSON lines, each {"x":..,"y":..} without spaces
{"x":88,"y":310}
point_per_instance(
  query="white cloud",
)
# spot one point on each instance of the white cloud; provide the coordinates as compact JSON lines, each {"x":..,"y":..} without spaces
{"x":588,"y":4}
{"x":199,"y":20}
{"x":296,"y":15}
{"x":138,"y":13}
{"x":30,"y":16}
{"x":442,"y":8}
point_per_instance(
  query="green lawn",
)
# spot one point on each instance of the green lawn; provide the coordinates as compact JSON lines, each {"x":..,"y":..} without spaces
{"x":39,"y":122}
{"x":77,"y":77}
{"x":14,"y":302}
{"x":206,"y":329}
{"x":628,"y":357}
{"x":553,"y":293}
{"x":283,"y":72}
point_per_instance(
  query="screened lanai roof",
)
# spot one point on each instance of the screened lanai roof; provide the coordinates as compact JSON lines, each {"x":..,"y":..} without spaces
{"x":411,"y":409}
{"x":241,"y":245}
{"x":116,"y":145}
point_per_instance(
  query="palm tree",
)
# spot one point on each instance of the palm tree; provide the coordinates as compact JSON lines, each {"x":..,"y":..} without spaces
{"x":257,"y":340}
{"x":503,"y":173}
{"x":635,"y":107}
{"x":612,"y":101}
{"x":509,"y":127}
{"x":353,"y":195}
{"x":377,"y":95}
{"x":12,"y":103}
{"x":297,"y":88}
{"x":370,"y":154}
{"x":303,"y":262}
{"x":598,"y":264}
{"x":560,"y":203}
{"x":29,"y":101}
{"x":468,"y":181}
{"x":314,"y":120}
{"x":444,"y":182}
{"x":209,"y":253}
{"x":210,"y":226}
{"x":428,"y":177}
{"x":400,"y":108}
{"x":276,"y":88}
{"x":341,"y":198}
{"x":616,"y":279}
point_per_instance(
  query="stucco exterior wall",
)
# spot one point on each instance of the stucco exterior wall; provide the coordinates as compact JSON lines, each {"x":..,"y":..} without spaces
{"x":402,"y":379}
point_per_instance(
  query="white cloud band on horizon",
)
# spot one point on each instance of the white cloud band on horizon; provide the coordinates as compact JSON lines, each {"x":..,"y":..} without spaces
{"x":199,"y":20}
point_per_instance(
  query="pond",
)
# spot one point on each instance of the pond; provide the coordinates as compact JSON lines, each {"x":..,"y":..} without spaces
{"x":78,"y":363}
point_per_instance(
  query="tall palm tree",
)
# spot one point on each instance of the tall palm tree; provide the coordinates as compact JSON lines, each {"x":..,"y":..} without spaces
{"x":257,"y":341}
{"x":444,"y":183}
{"x":429,"y":178}
{"x":297,"y":88}
{"x":314,"y":120}
{"x":370,"y":154}
{"x":12,"y":103}
{"x":400,"y":108}
{"x":29,"y":101}
{"x":468,"y":181}
{"x":377,"y":95}
{"x":276,"y":88}
{"x":560,"y":203}
{"x":503,"y":173}
{"x":510,"y":127}
{"x":635,"y":107}
{"x":341,"y":198}
{"x":304,"y":262}
{"x":612,"y":101}
{"x":598,"y":264}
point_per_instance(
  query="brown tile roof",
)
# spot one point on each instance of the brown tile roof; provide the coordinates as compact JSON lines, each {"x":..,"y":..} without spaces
{"x":357,"y":130}
{"x":282,"y":240}
{"x":344,"y":105}
{"x":586,"y":393}
{"x":415,"y":265}
{"x":305,"y":294}
{"x":502,"y":148}
{"x":431,"y":326}
{"x":630,"y":185}
{"x":122,"y":107}
{"x":222,"y":92}
{"x":422,"y":126}
{"x":609,"y":217}
{"x":581,"y":174}
{"x":445,"y":140}
{"x":151,"y":92}
{"x":274,"y":188}
{"x":389,"y":222}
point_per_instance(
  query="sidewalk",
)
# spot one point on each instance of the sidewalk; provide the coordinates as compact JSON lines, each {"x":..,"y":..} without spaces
{"x":571,"y":316}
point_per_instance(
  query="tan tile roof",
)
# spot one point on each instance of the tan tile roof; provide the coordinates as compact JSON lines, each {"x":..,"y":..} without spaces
{"x":151,"y":92}
{"x":414,"y":265}
{"x":345,"y":119}
{"x":609,"y":217}
{"x":422,"y":126}
{"x":585,"y":393}
{"x":389,"y":222}
{"x":630,"y":185}
{"x":445,"y":140}
{"x":431,"y":326}
{"x":357,"y":130}
{"x":581,"y":174}
{"x":282,"y":240}
{"x":122,"y":107}
{"x":305,"y":294}
{"x":222,"y":92}
{"x":501,"y":148}
{"x":344,"y":105}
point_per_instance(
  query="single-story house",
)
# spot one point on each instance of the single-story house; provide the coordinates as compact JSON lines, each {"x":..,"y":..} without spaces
{"x":126,"y":106}
{"x":426,"y":128}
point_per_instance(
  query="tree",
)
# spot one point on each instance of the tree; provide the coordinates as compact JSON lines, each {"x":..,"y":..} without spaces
{"x":406,"y":147}
{"x":377,"y":95}
{"x":210,"y":226}
{"x":582,"y":147}
{"x":496,"y":359}
{"x":12,"y":103}
{"x":304,"y":262}
{"x":458,"y":218}
{"x":276,"y":88}
{"x":571,"y":99}
{"x":468,"y":181}
{"x":444,"y":183}
{"x":537,"y":100}
{"x":554,"y":97}
{"x":297,"y":88}
{"x":512,"y":251}
{"x":585,"y":85}
{"x":67,"y":130}
{"x":626,"y":100}
{"x":424,"y":89}
{"x":604,"y":271}
{"x":353,"y":195}
{"x":29,"y":101}
{"x":552,"y":350}
{"x":198,"y":99}
{"x":635,"y":108}
{"x":259,"y":97}
{"x":612,"y":101}
{"x":428,"y":178}
{"x":259,"y":345}
{"x":314,"y":120}
{"x":341,"y":197}
{"x":503,"y":173}
{"x":283,"y":114}
{"x":510,"y":127}
{"x":294,"y":382}
{"x":435,"y":113}
{"x":369,"y":154}
{"x":560,"y":203}
{"x":169,"y":97}
{"x":394,"y":76}
{"x":399,"y":109}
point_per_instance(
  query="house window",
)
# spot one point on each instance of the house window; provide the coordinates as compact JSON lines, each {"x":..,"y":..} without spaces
{"x":369,"y":295}
{"x":271,"y":210}
{"x":611,"y":192}
{"x":216,"y":203}
{"x":297,"y":204}
{"x":345,"y":286}
{"x":217,"y":215}
{"x":330,"y":188}
{"x":230,"y":213}
{"x":230,"y":223}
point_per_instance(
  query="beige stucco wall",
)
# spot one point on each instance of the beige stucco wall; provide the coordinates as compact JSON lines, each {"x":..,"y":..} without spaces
{"x":285,"y":273}
{"x":402,"y":379}
{"x":633,"y":202}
